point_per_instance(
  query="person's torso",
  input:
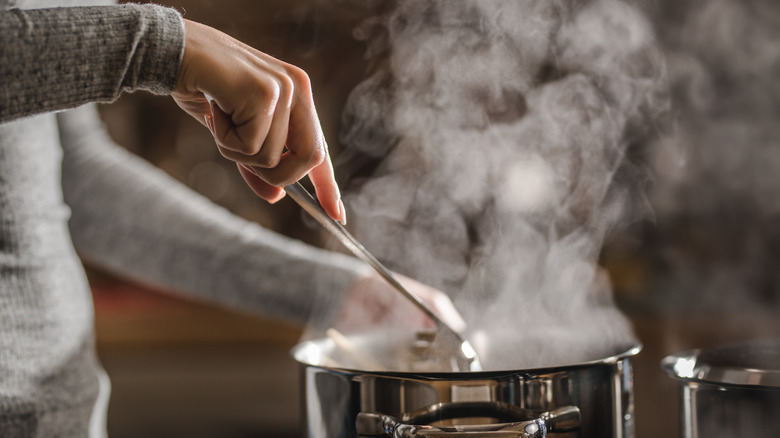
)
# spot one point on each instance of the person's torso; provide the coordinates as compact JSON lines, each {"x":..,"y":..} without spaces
{"x":48,"y":370}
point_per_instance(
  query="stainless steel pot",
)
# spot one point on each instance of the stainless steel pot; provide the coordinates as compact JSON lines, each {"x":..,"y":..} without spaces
{"x":591,"y":399}
{"x":729,"y":391}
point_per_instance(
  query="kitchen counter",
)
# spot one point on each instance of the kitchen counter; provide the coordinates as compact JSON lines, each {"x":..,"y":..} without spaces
{"x":185,"y":369}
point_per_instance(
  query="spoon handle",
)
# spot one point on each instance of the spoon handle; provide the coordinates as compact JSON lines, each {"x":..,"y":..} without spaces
{"x":299,"y":194}
{"x":464,"y":357}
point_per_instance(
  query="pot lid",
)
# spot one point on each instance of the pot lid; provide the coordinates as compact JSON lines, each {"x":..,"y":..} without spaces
{"x":752,"y":363}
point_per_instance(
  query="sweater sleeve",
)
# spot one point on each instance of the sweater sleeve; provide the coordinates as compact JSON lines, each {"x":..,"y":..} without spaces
{"x":58,"y":58}
{"x":133,"y":219}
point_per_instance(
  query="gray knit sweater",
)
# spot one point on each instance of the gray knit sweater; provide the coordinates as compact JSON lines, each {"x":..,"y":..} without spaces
{"x":65,"y":187}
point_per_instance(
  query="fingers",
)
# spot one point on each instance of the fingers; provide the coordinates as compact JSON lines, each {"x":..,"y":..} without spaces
{"x":295,"y":127}
{"x":256,"y":132}
{"x":261,"y":188}
{"x":262,"y":114}
{"x":196,"y":106}
{"x":371,"y":303}
{"x":439,"y":302}
{"x":308,"y":142}
{"x":328,"y":193}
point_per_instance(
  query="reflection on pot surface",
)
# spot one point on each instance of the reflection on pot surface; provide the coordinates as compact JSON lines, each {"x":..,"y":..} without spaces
{"x":582,"y":400}
{"x":731,"y":391}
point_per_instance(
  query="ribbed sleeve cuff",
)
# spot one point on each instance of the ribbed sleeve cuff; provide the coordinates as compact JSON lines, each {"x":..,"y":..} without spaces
{"x":157,"y":58}
{"x":59,"y":58}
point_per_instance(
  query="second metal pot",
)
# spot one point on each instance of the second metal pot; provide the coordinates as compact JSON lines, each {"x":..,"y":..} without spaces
{"x":729,"y":391}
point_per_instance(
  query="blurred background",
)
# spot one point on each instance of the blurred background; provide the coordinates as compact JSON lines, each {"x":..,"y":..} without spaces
{"x":697,"y":272}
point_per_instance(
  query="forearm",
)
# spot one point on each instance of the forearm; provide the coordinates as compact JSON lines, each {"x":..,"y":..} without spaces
{"x":134,"y":220}
{"x":52,"y":59}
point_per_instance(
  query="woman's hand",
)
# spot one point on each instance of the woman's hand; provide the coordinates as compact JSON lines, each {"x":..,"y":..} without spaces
{"x":261,"y":113}
{"x":372,"y":302}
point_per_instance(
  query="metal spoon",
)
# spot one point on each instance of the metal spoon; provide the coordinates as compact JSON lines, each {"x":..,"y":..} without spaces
{"x":463,"y":357}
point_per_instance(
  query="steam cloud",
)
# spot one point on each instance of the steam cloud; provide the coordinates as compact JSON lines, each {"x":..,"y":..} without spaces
{"x":717,"y":187}
{"x":498,"y":137}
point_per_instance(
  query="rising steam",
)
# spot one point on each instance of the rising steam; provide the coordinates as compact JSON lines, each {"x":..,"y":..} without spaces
{"x":720,"y":208}
{"x":498,"y":137}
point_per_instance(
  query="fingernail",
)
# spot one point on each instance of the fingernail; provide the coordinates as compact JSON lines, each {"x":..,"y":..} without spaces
{"x":342,"y":213}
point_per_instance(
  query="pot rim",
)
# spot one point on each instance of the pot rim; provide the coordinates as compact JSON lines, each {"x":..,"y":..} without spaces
{"x":305,"y":348}
{"x":751,"y":364}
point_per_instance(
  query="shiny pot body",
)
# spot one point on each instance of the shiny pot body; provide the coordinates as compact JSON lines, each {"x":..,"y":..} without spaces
{"x":718,"y":411}
{"x":593,"y":399}
{"x":729,"y":391}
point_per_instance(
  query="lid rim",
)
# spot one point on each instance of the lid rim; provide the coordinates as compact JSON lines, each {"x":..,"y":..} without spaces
{"x":731,"y":365}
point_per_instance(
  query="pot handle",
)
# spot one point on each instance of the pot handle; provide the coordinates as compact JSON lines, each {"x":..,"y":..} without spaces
{"x":564,"y":419}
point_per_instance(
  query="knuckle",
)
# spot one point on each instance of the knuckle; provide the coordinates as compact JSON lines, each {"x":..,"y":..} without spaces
{"x":269,"y":91}
{"x":266,"y":162}
{"x":298,"y":75}
{"x":287,"y":84}
{"x":236,"y":155}
{"x":263,"y":91}
{"x":285,"y":89}
{"x":227,"y":153}
{"x":317,"y":156}
{"x":248,"y":148}
{"x":242,"y":148}
{"x":300,"y":78}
